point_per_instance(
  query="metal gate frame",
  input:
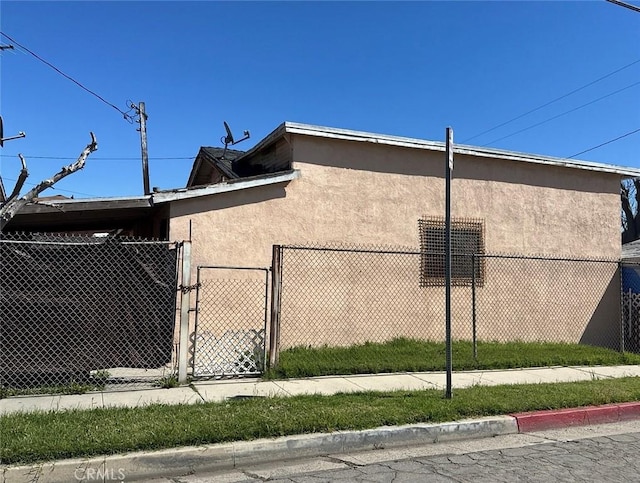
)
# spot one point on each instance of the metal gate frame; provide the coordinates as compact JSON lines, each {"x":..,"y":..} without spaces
{"x":630,"y":307}
{"x":197,"y":312}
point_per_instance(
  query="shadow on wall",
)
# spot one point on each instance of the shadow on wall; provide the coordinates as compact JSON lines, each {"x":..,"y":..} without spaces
{"x":603,"y":329}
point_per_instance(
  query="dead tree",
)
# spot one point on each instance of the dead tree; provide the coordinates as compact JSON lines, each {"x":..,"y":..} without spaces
{"x":13,"y":204}
{"x":630,"y":193}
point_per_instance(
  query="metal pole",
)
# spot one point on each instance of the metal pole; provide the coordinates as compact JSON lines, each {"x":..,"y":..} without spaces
{"x":276,"y":294}
{"x":143,"y":145}
{"x":447,"y":261}
{"x":620,"y":267}
{"x":185,"y":300}
{"x":266,"y":317}
{"x":629,"y":313}
{"x":473,"y":307}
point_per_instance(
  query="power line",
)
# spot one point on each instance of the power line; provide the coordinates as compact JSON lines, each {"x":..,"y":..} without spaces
{"x":626,"y":5}
{"x":98,"y":158}
{"x":56,"y":188}
{"x":605,"y":143}
{"x":562,"y":114}
{"x":125,"y":114}
{"x":552,"y":101}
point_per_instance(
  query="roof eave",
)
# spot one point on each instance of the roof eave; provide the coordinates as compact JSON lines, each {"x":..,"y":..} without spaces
{"x":232,"y":185}
{"x":88,"y":204}
{"x":359,"y":136}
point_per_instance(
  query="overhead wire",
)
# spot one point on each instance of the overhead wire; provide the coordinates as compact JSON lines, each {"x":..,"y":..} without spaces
{"x":589,"y":84}
{"x":604,"y":143}
{"x":98,"y":158}
{"x":55,"y":188}
{"x":562,"y":114}
{"x":125,"y":114}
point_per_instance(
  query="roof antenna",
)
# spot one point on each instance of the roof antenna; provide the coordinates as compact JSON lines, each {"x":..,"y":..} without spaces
{"x":3,"y":139}
{"x":228,"y":139}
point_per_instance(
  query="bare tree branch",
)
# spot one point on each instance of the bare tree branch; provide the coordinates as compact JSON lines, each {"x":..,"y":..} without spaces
{"x":631,"y":227}
{"x":9,"y":209}
{"x":3,"y":195}
{"x":24,"y":174}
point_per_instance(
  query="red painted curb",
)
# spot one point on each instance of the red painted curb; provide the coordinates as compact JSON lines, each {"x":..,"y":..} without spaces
{"x":562,"y":418}
{"x":629,"y":411}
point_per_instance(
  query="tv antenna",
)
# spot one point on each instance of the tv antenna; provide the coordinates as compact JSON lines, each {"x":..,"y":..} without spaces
{"x":3,"y":139}
{"x":228,"y":139}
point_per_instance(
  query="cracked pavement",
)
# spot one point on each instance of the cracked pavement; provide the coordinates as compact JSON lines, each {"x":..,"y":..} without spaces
{"x":588,"y":454}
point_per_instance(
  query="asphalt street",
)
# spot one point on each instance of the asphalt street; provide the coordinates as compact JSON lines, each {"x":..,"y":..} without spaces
{"x":602,"y":453}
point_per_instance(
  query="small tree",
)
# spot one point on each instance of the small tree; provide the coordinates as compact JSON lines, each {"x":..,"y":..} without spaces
{"x":11,"y":205}
{"x":630,"y":193}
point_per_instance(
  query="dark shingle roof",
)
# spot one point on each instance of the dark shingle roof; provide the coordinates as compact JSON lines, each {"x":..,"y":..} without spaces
{"x":209,"y":160}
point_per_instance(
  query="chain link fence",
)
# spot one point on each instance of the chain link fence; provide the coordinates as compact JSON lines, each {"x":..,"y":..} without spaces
{"x":534,"y":299}
{"x":84,"y":313}
{"x":631,"y":305}
{"x":230,"y":323}
{"x":344,"y":296}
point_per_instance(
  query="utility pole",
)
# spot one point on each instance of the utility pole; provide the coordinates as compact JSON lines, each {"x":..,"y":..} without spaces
{"x":143,"y":145}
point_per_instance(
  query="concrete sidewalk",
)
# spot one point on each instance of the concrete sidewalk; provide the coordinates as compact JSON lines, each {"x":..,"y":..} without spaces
{"x":220,"y":390}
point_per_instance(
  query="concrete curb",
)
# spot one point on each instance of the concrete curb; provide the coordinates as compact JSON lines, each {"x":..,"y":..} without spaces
{"x":187,"y":460}
{"x":562,"y":418}
{"x":184,"y":461}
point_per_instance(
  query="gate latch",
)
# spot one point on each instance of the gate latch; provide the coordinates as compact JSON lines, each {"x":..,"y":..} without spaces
{"x":188,"y":288}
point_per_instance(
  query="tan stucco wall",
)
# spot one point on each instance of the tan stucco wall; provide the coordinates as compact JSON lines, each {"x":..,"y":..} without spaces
{"x":357,"y":193}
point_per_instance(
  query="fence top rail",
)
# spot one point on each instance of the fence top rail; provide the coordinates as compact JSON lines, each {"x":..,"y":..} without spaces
{"x":549,"y":258}
{"x":229,"y":267}
{"x":351,"y":250}
{"x":98,"y":241}
{"x":454,"y":255}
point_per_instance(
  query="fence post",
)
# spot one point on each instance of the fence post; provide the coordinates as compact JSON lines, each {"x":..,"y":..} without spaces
{"x":185,"y":301}
{"x":620,"y":267}
{"x":627,"y":326}
{"x":473,"y":306}
{"x":276,"y":299}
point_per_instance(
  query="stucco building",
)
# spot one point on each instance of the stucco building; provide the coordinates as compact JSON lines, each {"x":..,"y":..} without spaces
{"x":306,"y":184}
{"x":338,"y":186}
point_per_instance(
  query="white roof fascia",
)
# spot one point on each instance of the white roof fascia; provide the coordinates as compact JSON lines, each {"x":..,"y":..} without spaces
{"x":348,"y":135}
{"x":184,"y":194}
{"x":71,"y":201}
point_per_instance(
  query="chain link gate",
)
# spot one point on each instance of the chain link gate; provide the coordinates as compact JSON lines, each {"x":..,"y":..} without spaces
{"x":81,"y":313}
{"x":630,"y":276}
{"x":229,"y":338}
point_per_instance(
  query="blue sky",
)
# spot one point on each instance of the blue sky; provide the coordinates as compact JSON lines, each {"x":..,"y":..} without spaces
{"x":407,"y":69}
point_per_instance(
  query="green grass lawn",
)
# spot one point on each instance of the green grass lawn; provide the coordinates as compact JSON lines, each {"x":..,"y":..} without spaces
{"x":402,"y":355}
{"x":33,"y":437}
